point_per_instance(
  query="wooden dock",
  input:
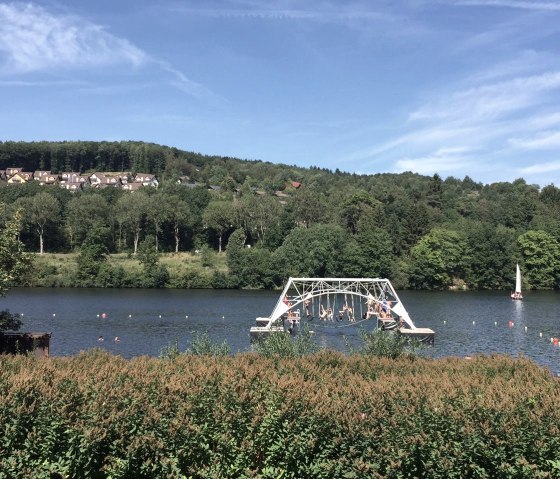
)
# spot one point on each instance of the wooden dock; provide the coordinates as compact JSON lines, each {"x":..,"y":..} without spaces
{"x":24,"y":343}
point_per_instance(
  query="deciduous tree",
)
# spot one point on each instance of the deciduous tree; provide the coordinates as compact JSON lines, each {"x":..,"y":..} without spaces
{"x":40,"y":211}
{"x":158,"y":210}
{"x":14,"y":262}
{"x":492,"y":253}
{"x":541,"y":259}
{"x":311,"y":252}
{"x":180,"y":216}
{"x":219,"y":216}
{"x":131,"y":212}
{"x":437,"y":259}
{"x":85,"y":213}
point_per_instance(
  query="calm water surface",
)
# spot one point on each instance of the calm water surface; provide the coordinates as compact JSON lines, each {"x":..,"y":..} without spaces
{"x":465,"y":323}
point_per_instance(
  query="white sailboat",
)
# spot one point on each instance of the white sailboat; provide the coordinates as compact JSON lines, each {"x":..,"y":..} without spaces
{"x":517,"y":293}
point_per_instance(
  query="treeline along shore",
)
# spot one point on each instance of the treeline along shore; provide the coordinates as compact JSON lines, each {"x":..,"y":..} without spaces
{"x":133,"y":214}
{"x":287,"y":410}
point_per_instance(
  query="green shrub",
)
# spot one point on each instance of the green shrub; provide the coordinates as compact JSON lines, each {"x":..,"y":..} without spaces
{"x":196,"y":280}
{"x":284,"y":345}
{"x":386,"y":344}
{"x":9,"y":321}
{"x":324,"y":415}
{"x":202,"y":345}
{"x":171,"y":351}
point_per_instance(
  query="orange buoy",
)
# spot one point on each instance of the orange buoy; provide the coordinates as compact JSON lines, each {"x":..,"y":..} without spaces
{"x":104,"y":315}
{"x":555,"y":341}
{"x":510,"y":324}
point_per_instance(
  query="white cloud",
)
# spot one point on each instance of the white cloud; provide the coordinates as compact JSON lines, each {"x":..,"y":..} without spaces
{"x":543,"y":121}
{"x":499,"y":120}
{"x":420,"y":138}
{"x":543,"y":141}
{"x":546,"y":167}
{"x":443,"y":160}
{"x":490,"y":101}
{"x":32,"y":39}
{"x":523,"y":62}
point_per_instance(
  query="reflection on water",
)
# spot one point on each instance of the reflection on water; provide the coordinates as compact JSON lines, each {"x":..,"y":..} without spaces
{"x":465,"y":323}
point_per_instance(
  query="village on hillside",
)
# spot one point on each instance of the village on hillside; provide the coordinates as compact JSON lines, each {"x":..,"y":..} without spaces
{"x":100,"y":180}
{"x":76,"y":181}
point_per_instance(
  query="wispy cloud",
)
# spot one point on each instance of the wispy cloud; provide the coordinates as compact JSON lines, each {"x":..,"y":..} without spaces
{"x":525,"y":5}
{"x":543,"y":121}
{"x":444,"y":160}
{"x":525,"y":62}
{"x":497,"y":120}
{"x":543,"y":141}
{"x":180,"y":81}
{"x":34,"y":40}
{"x":546,"y":167}
{"x":46,"y":83}
{"x":490,"y":100}
{"x":369,"y":18}
{"x":324,"y":12}
{"x":418,"y":138}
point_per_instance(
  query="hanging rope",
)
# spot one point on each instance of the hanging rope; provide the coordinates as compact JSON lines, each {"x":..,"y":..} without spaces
{"x":308,"y":314}
{"x":330,"y":313}
{"x":344,"y":309}
{"x":313,"y":307}
{"x":361,"y":310}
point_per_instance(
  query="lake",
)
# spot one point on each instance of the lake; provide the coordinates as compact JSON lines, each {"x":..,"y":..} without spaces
{"x":146,"y":321}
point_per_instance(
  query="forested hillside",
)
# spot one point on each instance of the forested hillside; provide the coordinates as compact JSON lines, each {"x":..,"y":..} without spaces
{"x":275,"y":220}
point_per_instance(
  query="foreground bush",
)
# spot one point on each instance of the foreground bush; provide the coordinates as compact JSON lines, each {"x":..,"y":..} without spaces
{"x":321,"y":416}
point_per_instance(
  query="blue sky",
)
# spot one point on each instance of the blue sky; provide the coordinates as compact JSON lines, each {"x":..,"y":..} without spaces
{"x":458,"y":87}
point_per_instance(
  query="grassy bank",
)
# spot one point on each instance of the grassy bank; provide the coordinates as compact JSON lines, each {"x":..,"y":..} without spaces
{"x":185,"y":269}
{"x":320,"y":416}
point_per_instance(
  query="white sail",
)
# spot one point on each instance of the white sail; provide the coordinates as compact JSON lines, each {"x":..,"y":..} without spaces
{"x":518,"y":280}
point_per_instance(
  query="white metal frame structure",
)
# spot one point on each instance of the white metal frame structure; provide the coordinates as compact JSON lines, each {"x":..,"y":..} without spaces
{"x":299,"y":290}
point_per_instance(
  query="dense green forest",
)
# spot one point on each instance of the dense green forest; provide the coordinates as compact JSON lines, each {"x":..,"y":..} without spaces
{"x":275,"y":220}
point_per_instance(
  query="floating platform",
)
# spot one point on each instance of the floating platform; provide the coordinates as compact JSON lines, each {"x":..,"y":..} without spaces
{"x":351,"y":299}
{"x":388,"y":324}
{"x":423,"y":335}
{"x":258,"y":332}
{"x":262,"y":321}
